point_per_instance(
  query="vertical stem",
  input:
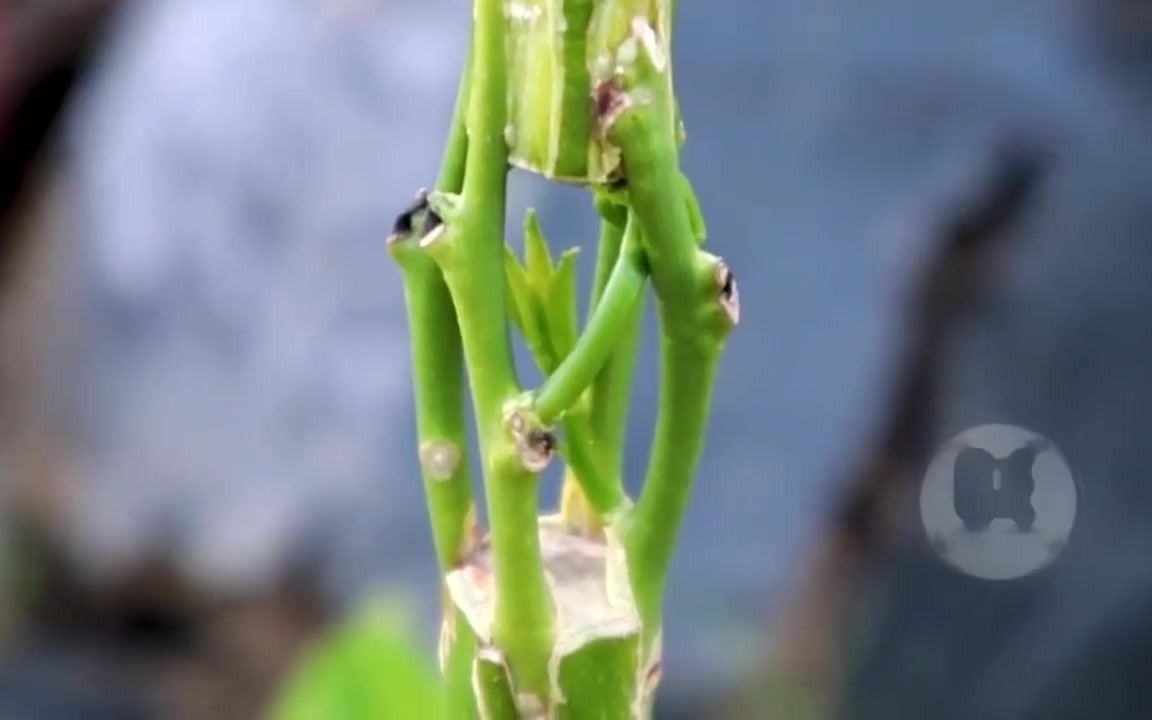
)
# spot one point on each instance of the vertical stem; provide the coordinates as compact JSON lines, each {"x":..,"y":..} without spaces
{"x":471,"y":255}
{"x":437,"y":362}
{"x":696,"y":303}
{"x":612,"y":221}
{"x":599,"y":485}
{"x":612,"y":388}
{"x":586,"y":438}
{"x":686,"y":379}
{"x":437,"y":368}
{"x":454,"y":162}
{"x":439,"y":390}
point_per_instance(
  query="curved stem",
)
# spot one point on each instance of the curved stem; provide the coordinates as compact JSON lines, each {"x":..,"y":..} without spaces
{"x":576,"y":372}
{"x":691,"y":288}
{"x":613,"y":218}
{"x":585,"y":438}
{"x":597,"y":473}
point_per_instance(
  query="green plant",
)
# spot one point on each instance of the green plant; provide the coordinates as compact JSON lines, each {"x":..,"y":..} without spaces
{"x":559,"y":616}
{"x":368,"y":668}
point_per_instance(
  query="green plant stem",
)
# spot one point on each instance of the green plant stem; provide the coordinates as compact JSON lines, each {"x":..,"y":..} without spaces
{"x":687,"y":374}
{"x":585,"y":440}
{"x":439,"y":390}
{"x":455,"y":160}
{"x":693,"y":327}
{"x":601,"y":487}
{"x":612,"y":388}
{"x":471,"y":255}
{"x":437,"y":361}
{"x":576,"y":372}
{"x":613,"y":219}
{"x":437,"y":368}
{"x":612,"y":319}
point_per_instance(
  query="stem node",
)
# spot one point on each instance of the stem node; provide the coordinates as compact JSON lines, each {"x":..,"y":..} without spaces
{"x":415,"y":221}
{"x":535,"y":444}
{"x":729,"y":293}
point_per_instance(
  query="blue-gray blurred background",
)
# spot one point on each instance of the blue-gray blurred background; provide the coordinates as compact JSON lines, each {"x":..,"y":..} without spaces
{"x":208,"y":445}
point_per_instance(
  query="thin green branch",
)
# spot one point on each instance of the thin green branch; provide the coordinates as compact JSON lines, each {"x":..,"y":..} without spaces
{"x":438,"y":374}
{"x":576,"y":372}
{"x":612,"y":388}
{"x":441,"y":425}
{"x":600,"y":484}
{"x":607,"y":331}
{"x":454,"y":162}
{"x":437,"y":366}
{"x":613,"y":217}
{"x":561,"y":393}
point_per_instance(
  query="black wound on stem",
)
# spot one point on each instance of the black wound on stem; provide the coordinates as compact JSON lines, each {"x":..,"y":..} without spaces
{"x":417,"y":220}
{"x":729,"y":293}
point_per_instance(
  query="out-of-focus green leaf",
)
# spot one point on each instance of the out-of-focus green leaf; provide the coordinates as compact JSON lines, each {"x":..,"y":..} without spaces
{"x":370,"y":668}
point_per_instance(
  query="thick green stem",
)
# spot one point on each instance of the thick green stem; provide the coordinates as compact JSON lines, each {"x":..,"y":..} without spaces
{"x":470,"y":253}
{"x":696,"y":299}
{"x":457,"y":670}
{"x":686,"y":378}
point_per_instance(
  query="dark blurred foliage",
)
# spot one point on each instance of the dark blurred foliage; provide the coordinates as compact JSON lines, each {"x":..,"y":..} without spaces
{"x":1041,"y":319}
{"x":148,"y":643}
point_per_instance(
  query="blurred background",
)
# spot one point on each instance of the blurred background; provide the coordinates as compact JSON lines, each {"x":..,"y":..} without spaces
{"x":940,"y":213}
